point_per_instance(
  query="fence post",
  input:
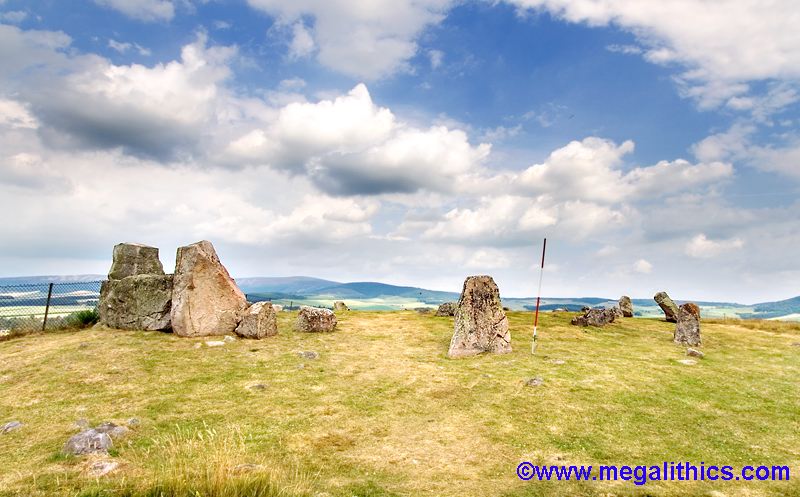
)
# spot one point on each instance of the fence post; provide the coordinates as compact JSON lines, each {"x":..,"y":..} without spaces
{"x":47,"y":306}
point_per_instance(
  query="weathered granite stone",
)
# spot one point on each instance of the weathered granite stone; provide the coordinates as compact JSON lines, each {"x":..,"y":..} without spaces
{"x":687,"y":329}
{"x":205,"y":299}
{"x":480,"y":325}
{"x":131,"y":259}
{"x":668,"y":306}
{"x":88,"y":442}
{"x":596,"y":317}
{"x":259,"y":321}
{"x":138,"y":302}
{"x":313,"y":319}
{"x":626,"y":306}
{"x":447,"y":309}
{"x":694,"y":353}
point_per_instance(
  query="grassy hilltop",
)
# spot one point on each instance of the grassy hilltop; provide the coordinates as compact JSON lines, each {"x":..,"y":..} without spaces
{"x":383,"y":412}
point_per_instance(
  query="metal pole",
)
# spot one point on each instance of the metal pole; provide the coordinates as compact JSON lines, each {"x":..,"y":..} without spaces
{"x":47,"y":306}
{"x":538,"y":300}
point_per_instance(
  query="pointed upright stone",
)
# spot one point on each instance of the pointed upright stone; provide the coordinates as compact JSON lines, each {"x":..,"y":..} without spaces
{"x":668,"y":306}
{"x":205,"y":299}
{"x":480,"y":323}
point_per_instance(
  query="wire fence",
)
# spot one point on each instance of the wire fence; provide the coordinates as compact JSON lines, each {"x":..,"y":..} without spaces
{"x":47,"y":306}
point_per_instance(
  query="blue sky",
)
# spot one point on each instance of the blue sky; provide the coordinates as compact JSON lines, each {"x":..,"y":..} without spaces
{"x":410,"y":141}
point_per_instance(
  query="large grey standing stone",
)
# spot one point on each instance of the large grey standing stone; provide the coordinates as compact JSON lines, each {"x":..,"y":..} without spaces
{"x":596,"y":317}
{"x":668,"y":306}
{"x":447,"y":309}
{"x":259,"y":321}
{"x":312,"y":319}
{"x":139,"y":302}
{"x":131,"y":259}
{"x":687,"y":330}
{"x":626,"y":306}
{"x":205,"y":299}
{"x":480,"y":325}
{"x":88,"y":442}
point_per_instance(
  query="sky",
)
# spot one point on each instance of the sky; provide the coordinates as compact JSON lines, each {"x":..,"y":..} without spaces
{"x":655,"y":144}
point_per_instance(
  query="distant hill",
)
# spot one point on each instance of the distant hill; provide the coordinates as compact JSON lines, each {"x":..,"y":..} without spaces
{"x":289,"y":284}
{"x":298,"y":290}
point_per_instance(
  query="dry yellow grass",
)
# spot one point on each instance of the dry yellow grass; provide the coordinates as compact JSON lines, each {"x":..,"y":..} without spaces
{"x":384,"y":412}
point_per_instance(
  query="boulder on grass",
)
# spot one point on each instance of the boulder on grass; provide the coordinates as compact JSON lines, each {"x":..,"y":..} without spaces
{"x":626,"y":306}
{"x":131,"y":259}
{"x":687,"y":329}
{"x":89,"y":441}
{"x":668,"y":306}
{"x":596,"y":317}
{"x":313,"y":320}
{"x":480,"y":324}
{"x":447,"y":309}
{"x":340,"y":306}
{"x":138,"y":302}
{"x":205,"y":299}
{"x":259,"y":321}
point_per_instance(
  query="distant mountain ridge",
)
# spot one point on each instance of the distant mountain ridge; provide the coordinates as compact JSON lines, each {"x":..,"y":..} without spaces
{"x":383,"y":296}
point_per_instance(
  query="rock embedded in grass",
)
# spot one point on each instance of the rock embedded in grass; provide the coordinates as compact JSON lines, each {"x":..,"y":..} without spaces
{"x":259,"y":321}
{"x":688,"y":362}
{"x":480,"y":324}
{"x":626,"y":306}
{"x":687,"y":329}
{"x":447,"y":309}
{"x":88,"y":441}
{"x":215,"y":343}
{"x":668,"y":306}
{"x":596,"y":317}
{"x":308,"y":354}
{"x":102,"y":468}
{"x":112,"y":430}
{"x":315,"y":320}
{"x":10,"y":426}
{"x":694,"y":353}
{"x":534,"y":382}
{"x":205,"y":299}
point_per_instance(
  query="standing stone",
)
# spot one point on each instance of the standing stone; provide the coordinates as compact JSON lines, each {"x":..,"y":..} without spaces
{"x":138,"y":302}
{"x":312,"y":320}
{"x":259,"y":321}
{"x":626,"y":306}
{"x":447,"y":309}
{"x":687,"y":330}
{"x":480,"y":323}
{"x":130,"y":259}
{"x":340,"y":306}
{"x":137,"y":294}
{"x":668,"y":306}
{"x":596,"y":317}
{"x":205,"y":299}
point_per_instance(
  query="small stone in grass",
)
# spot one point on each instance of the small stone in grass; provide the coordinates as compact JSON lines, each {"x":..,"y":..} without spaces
{"x":308,"y":354}
{"x":228,"y":339}
{"x":688,"y":362}
{"x":558,"y":362}
{"x":10,"y":426}
{"x":102,"y":468}
{"x":534,"y":382}
{"x":88,"y":442}
{"x":259,"y":387}
{"x":215,"y":343}
{"x":694,"y":353}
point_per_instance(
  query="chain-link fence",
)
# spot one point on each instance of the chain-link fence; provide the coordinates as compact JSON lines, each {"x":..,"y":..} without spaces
{"x":47,"y":306}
